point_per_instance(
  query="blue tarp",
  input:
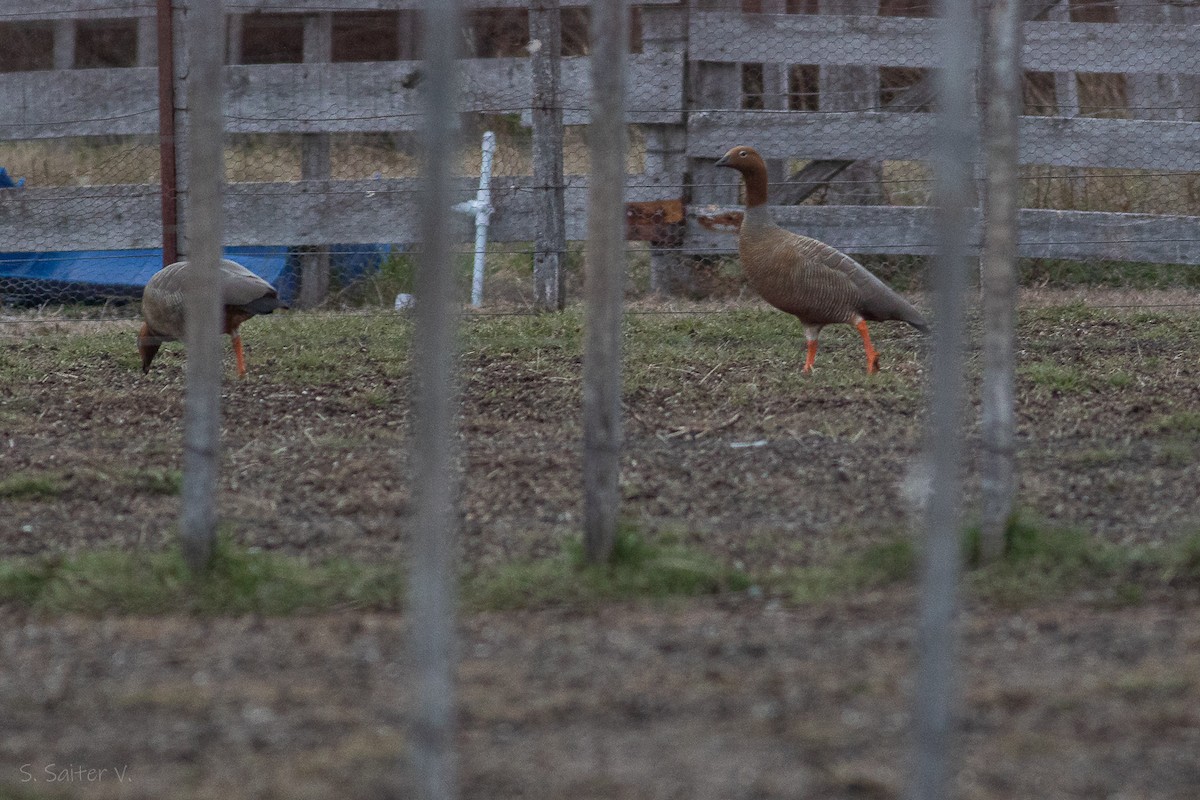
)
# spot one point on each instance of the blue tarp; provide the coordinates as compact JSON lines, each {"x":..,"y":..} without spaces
{"x":98,"y":276}
{"x":6,"y":181}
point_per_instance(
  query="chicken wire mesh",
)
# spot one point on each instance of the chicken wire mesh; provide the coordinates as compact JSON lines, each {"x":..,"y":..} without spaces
{"x":322,"y":164}
{"x":1107,"y":86}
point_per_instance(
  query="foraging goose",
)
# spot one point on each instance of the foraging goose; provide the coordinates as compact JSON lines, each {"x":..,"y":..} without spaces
{"x":243,"y":295}
{"x":807,"y":278}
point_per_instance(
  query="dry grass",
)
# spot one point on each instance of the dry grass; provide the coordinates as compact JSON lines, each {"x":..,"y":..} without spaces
{"x":266,"y":158}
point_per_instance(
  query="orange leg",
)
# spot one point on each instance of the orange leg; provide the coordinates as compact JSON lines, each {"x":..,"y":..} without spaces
{"x":811,"y":332}
{"x":241,"y":358}
{"x":872,"y":355}
{"x":811,"y":356}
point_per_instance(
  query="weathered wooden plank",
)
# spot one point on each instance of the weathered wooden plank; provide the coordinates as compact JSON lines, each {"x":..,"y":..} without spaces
{"x":852,"y":88}
{"x":284,"y":6}
{"x":92,"y":102}
{"x":147,"y":41}
{"x":80,"y":218}
{"x":42,"y":105}
{"x":119,"y":217}
{"x":912,"y":42}
{"x":816,"y":174}
{"x":664,"y":29}
{"x":65,"y":35}
{"x":507,"y":84}
{"x":315,"y":165}
{"x":550,"y":241}
{"x":1097,"y":47}
{"x":714,"y":84}
{"x":1154,"y":96}
{"x":319,"y":212}
{"x":1066,"y":86}
{"x":1044,"y":233}
{"x":1189,"y":85}
{"x":1079,"y":142}
{"x":292,"y":213}
{"x":729,"y":36}
{"x":516,"y":203}
{"x":42,"y":10}
{"x":315,"y":98}
{"x":113,"y":9}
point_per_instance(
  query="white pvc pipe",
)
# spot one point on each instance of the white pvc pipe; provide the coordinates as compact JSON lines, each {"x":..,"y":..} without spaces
{"x":481,"y":207}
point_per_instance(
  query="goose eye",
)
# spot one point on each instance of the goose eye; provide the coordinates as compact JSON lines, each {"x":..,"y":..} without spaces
{"x":743,"y":154}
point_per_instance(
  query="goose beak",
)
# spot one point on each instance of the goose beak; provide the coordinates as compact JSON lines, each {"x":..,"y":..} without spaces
{"x":723,"y":161}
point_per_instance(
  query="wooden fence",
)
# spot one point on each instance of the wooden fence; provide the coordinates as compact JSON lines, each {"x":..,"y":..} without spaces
{"x":699,"y":81}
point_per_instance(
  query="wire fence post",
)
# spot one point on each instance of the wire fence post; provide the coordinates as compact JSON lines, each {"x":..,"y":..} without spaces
{"x":998,"y":279}
{"x":604,"y":281}
{"x":315,"y":165}
{"x":672,"y":273}
{"x":953,"y":148}
{"x":202,"y":313}
{"x":849,"y":89}
{"x":432,"y":597}
{"x":167,"y":141}
{"x":550,"y":243}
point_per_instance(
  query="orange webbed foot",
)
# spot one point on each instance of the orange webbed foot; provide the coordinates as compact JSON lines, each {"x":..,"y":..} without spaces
{"x":239,"y":356}
{"x":810,"y":356}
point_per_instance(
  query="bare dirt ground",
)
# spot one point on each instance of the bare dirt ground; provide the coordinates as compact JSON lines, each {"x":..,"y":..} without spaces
{"x":725,"y":697}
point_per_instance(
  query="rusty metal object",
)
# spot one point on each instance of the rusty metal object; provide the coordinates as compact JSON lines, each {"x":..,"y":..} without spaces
{"x":720,"y":221}
{"x":660,"y":222}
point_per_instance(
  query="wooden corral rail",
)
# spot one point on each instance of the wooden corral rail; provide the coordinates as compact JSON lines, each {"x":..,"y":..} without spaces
{"x":688,"y":96}
{"x":312,"y":98}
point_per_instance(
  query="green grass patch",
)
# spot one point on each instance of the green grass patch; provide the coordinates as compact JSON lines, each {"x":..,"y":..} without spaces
{"x":1042,"y":563}
{"x":639,"y":568}
{"x":36,"y":486}
{"x":1183,"y":563}
{"x":23,"y":793}
{"x":32,"y":486}
{"x":243,"y":581}
{"x":1092,"y":457}
{"x":1177,"y":452}
{"x":155,"y":480}
{"x":59,"y":349}
{"x":1183,"y":423}
{"x":1119,"y":379}
{"x":240,"y":581}
{"x":321,"y":349}
{"x":748,"y":355}
{"x":1057,"y":273}
{"x":541,"y":334}
{"x":1056,"y":377}
{"x":878,"y":565}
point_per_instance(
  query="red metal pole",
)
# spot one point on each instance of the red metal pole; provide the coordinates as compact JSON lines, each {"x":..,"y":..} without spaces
{"x":166,"y":130}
